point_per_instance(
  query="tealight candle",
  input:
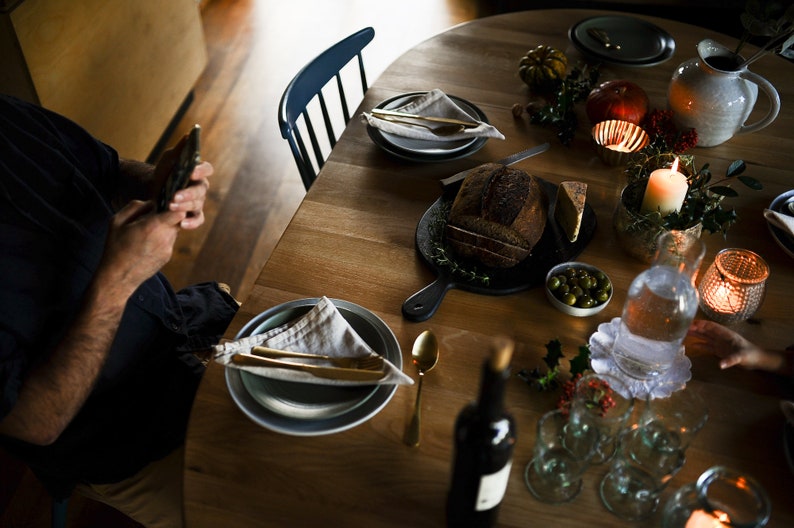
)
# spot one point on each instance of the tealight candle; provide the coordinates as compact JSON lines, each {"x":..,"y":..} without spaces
{"x":621,"y":147}
{"x":666,"y":191}
{"x":701,"y":519}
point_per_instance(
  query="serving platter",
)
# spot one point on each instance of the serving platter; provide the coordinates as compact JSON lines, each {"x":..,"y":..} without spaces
{"x":552,"y":249}
{"x":307,"y":409}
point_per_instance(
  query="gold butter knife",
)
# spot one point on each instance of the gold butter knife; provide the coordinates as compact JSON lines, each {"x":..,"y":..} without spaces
{"x":347,"y":374}
{"x":393,"y":113}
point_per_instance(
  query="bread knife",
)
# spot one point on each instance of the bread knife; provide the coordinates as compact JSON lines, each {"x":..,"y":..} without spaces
{"x":509,"y":160}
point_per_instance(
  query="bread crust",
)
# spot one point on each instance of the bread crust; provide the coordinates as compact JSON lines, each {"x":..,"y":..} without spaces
{"x":498,"y":215}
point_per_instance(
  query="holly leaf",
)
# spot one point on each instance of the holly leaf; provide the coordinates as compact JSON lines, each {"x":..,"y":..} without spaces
{"x":581,"y":362}
{"x":549,"y":381}
{"x":553,"y":354}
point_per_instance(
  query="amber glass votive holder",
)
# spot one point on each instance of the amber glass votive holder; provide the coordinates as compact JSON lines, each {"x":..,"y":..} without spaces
{"x":616,"y":141}
{"x":733,"y":286}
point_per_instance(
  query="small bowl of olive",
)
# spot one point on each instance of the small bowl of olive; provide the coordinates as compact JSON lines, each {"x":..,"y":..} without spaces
{"x":578,"y":289}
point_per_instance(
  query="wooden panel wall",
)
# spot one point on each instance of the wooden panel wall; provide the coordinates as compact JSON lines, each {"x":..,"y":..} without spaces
{"x":121,"y":69}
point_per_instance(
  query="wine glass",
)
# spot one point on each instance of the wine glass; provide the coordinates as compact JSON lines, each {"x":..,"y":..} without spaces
{"x":601,"y":402}
{"x":562,"y":453}
{"x":652,"y":451}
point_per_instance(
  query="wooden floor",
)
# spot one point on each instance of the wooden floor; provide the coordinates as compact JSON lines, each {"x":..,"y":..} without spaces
{"x":255,"y":47}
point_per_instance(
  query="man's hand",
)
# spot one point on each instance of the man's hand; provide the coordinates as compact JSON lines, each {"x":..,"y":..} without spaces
{"x":190,"y":200}
{"x":139,"y":243}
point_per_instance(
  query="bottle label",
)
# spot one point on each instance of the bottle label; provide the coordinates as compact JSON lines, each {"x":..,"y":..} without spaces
{"x":492,"y":488}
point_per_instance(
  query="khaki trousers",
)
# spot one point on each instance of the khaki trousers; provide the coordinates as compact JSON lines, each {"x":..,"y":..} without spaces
{"x":151,"y":497}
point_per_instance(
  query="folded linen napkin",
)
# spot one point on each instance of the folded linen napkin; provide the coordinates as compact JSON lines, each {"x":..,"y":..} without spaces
{"x":433,"y":103}
{"x":783,"y":221}
{"x":322,"y":330}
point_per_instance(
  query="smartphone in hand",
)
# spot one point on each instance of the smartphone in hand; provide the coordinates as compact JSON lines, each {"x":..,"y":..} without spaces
{"x":187,"y":159}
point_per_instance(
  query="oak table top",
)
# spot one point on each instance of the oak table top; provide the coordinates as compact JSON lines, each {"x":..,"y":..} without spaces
{"x":353,"y":238}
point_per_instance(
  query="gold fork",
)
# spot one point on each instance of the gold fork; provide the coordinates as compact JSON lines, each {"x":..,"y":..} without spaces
{"x":362,"y":363}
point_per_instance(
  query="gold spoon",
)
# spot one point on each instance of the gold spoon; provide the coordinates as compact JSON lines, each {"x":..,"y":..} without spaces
{"x":425,"y":357}
{"x":601,"y":36}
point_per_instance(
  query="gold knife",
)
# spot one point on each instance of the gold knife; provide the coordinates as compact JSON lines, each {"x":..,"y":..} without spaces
{"x":377,"y":112}
{"x":359,"y":362}
{"x":319,"y":371}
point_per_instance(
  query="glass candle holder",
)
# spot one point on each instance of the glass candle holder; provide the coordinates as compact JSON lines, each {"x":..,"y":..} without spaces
{"x":733,"y":286}
{"x":720,"y":498}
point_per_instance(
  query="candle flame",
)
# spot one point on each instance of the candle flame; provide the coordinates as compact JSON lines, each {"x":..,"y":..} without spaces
{"x":674,"y":167}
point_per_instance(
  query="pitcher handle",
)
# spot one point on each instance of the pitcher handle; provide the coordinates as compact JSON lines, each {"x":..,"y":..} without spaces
{"x":774,"y":101}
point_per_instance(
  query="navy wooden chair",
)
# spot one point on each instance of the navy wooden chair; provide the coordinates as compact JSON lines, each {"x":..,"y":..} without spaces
{"x":310,"y":87}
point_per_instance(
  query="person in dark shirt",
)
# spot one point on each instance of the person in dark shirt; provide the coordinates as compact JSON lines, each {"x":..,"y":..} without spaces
{"x":97,"y":374}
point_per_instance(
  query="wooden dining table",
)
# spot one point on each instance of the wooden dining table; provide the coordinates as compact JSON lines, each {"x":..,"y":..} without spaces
{"x":353,"y":238}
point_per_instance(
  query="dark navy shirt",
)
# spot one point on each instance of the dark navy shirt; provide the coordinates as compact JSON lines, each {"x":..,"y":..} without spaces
{"x":56,"y":186}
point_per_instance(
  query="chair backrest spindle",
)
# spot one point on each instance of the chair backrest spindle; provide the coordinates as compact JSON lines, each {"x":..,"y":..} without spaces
{"x":306,"y":89}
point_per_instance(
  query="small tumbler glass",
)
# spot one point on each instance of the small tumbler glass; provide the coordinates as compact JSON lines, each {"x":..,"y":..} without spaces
{"x":562,"y":454}
{"x":733,"y":287}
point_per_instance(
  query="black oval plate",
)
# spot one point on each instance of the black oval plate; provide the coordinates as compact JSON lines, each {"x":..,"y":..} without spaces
{"x":641,"y":43}
{"x":552,"y":249}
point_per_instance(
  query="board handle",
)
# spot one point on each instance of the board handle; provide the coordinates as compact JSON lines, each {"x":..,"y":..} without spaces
{"x":423,"y":304}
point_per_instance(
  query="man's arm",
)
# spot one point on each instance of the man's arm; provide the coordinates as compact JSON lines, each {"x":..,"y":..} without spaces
{"x":139,"y":243}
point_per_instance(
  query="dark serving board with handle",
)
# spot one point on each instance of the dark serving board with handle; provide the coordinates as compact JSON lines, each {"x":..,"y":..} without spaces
{"x":552,"y":249}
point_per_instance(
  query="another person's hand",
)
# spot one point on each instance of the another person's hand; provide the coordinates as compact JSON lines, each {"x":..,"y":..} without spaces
{"x":733,"y":349}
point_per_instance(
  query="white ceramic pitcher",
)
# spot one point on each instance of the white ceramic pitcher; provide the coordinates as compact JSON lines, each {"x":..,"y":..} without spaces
{"x":712,"y":95}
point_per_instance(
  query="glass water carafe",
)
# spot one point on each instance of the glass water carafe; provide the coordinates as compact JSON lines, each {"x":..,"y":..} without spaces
{"x":660,"y":305}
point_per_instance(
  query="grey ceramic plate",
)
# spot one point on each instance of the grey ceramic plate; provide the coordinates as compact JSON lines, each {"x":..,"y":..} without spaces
{"x":306,"y":409}
{"x":427,"y":151}
{"x":783,"y":239}
{"x":641,"y":43}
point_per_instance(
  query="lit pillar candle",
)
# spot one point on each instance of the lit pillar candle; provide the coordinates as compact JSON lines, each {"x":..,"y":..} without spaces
{"x":666,"y":191}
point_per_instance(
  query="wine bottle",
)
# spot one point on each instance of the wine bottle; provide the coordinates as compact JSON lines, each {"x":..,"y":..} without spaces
{"x":483,"y":451}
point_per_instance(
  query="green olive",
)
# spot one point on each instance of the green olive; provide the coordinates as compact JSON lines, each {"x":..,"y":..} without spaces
{"x":569,"y":299}
{"x":585,"y":301}
{"x":577,"y":291}
{"x":553,"y":283}
{"x":601,"y":296}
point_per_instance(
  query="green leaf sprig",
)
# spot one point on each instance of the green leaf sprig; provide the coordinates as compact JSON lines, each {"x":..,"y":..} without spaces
{"x":559,"y":112}
{"x":442,"y":256}
{"x":549,"y":380}
{"x":704,"y":200}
